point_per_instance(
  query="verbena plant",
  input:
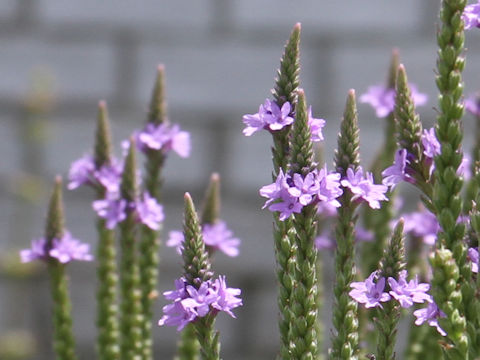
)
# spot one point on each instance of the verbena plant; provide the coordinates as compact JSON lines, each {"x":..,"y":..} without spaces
{"x":314,"y":208}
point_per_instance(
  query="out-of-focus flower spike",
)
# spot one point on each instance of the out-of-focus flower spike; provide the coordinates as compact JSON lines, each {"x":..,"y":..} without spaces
{"x":211,"y":202}
{"x":128,"y":187}
{"x":103,"y":142}
{"x":55,"y":216}
{"x":157,"y":113}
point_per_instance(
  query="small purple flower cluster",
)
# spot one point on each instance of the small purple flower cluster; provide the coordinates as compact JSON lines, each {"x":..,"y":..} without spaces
{"x":215,"y":236}
{"x":382,"y":99}
{"x":114,"y":210}
{"x":295,"y":191}
{"x":163,"y":137}
{"x":273,"y":118}
{"x":471,"y":16}
{"x":371,"y":292}
{"x":190,"y":303}
{"x":64,"y":250}
{"x":290,"y":193}
{"x":401,"y":171}
{"x":421,"y":224}
{"x":84,"y":172}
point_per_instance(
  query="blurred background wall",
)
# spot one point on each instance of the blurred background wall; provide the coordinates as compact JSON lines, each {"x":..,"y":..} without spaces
{"x":59,"y":58}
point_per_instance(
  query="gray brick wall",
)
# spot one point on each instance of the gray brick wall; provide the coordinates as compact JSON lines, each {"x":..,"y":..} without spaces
{"x":220,"y":57}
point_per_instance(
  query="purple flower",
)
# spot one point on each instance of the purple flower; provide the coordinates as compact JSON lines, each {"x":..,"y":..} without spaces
{"x":316,"y":126}
{"x":326,"y":209}
{"x":81,"y":172}
{"x":368,"y":292}
{"x":431,"y":146}
{"x":109,"y":176}
{"x":382,"y":99}
{"x":226,"y":298}
{"x":149,"y":211}
{"x":164,"y":137}
{"x":37,"y":251}
{"x":473,"y":257}
{"x":407,"y":293}
{"x":112,"y":210}
{"x":219,"y":237}
{"x":304,"y":189}
{"x":190,"y":303}
{"x":324,"y":242}
{"x":287,"y":206}
{"x":472,"y":104}
{"x":64,"y":250}
{"x":430,"y":314}
{"x":179,"y":314}
{"x":395,"y":173}
{"x":422,"y":224}
{"x":270,"y":116}
{"x":67,"y":249}
{"x":330,"y":188}
{"x":465,"y":169}
{"x":471,"y":15}
{"x":364,"y":187}
{"x":216,"y":236}
{"x":176,"y":239}
{"x":363,"y":235}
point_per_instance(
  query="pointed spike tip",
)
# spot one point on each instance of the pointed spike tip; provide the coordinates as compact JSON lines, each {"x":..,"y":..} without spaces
{"x":215,"y":177}
{"x":298,"y":26}
{"x":301,"y":92}
{"x":351,"y":92}
{"x":161,"y":68}
{"x":401,"y":67}
{"x":187,"y":196}
{"x":102,"y":104}
{"x":58,"y":180}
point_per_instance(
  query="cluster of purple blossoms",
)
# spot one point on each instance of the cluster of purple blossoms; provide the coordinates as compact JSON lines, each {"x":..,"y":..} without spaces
{"x":190,"y":303}
{"x":363,"y":187}
{"x":273,"y":118}
{"x":472,"y":104}
{"x":400,"y":170}
{"x":422,"y":224}
{"x":84,"y":172}
{"x":290,"y":193}
{"x":164,"y":137}
{"x":471,"y":16}
{"x":371,"y":292}
{"x":382,"y":99}
{"x":215,"y":236}
{"x":474,"y":258}
{"x":64,"y":250}
{"x":114,"y":210}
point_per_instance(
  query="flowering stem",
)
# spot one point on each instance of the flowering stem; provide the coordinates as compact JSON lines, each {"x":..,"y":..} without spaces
{"x":345,"y":318}
{"x":107,"y":311}
{"x":450,"y":256}
{"x":188,"y":346}
{"x":131,"y":312}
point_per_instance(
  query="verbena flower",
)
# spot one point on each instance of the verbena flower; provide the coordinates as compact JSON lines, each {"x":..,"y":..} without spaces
{"x":64,"y":250}
{"x":324,"y":242}
{"x":430,"y":314}
{"x":270,"y":116}
{"x":471,"y":16}
{"x":83,"y":172}
{"x":431,"y":146}
{"x":216,"y":236}
{"x":473,"y":257}
{"x":472,"y":104}
{"x":465,"y":169}
{"x":364,"y":187}
{"x":290,"y":193}
{"x":382,"y":98}
{"x":190,"y":303}
{"x":368,"y":292}
{"x":316,"y":126}
{"x":164,"y":137}
{"x":422,"y":224}
{"x":149,"y":211}
{"x":407,"y":293}
{"x":396,"y":173}
{"x":113,"y":210}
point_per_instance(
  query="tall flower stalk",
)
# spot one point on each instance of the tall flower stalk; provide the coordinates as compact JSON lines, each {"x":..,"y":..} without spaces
{"x":149,"y":241}
{"x":131,"y":318}
{"x":107,"y":310}
{"x":63,"y":338}
{"x":449,"y":268}
{"x":345,"y":312}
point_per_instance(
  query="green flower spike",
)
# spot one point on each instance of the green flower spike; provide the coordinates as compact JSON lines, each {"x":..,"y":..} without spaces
{"x":149,"y":244}
{"x":63,"y":338}
{"x":303,"y":337}
{"x":345,"y":312}
{"x":196,"y":271}
{"x":131,"y":318}
{"x":386,"y":323}
{"x":107,"y":311}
